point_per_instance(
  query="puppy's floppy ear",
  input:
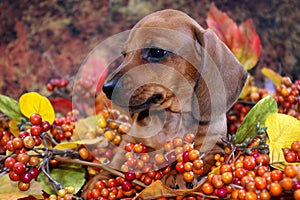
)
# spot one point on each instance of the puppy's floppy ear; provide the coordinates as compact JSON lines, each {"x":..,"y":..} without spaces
{"x":221,"y":78}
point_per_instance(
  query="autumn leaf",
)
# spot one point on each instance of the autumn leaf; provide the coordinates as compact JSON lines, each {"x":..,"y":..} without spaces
{"x":67,"y":175}
{"x":282,"y":131}
{"x":61,"y":104}
{"x":257,"y":114}
{"x":273,"y":76}
{"x":13,"y":128}
{"x":33,"y":102}
{"x":9,"y":190}
{"x":243,"y":41}
{"x":158,"y":189}
{"x":74,"y":144}
{"x":83,"y":126}
{"x":10,"y":107}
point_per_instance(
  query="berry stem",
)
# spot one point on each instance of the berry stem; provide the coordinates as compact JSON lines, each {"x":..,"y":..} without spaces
{"x":103,"y":166}
{"x":45,"y":168}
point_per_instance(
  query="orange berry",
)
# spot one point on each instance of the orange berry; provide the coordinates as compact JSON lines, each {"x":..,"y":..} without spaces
{"x":290,"y":171}
{"x":264,"y":195}
{"x":297,"y":194}
{"x":188,"y":176}
{"x":227,"y":177}
{"x":287,"y":183}
{"x":207,"y":188}
{"x":275,"y":189}
{"x":251,"y":196}
{"x":260,"y":183}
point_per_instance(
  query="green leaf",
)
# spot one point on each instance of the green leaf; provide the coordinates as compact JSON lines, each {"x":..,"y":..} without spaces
{"x":10,"y":107}
{"x":258,"y":113}
{"x":67,"y":175}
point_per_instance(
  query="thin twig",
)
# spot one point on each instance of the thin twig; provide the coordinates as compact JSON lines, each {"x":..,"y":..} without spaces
{"x":102,"y":166}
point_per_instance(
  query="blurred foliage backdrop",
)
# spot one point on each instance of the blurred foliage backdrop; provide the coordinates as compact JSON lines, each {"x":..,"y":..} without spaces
{"x":51,"y":38}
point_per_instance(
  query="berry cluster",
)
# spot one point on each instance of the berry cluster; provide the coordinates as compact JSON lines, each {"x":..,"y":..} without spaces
{"x":57,"y":83}
{"x":287,"y":97}
{"x":140,"y":162}
{"x":178,"y":153}
{"x":236,"y":116}
{"x":22,"y":166}
{"x":85,"y":88}
{"x":292,"y":154}
{"x":250,"y":177}
{"x":112,"y":124}
{"x":63,"y":194}
{"x":114,"y":188}
{"x":63,"y":127}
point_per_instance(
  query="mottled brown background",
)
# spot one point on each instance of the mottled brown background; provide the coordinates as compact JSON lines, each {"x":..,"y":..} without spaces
{"x":43,"y":39}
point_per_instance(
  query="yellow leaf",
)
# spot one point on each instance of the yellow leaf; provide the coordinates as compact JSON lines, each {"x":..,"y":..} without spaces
{"x":215,"y":170}
{"x":9,"y":190}
{"x":273,"y":76}
{"x":14,"y":129}
{"x":33,"y":102}
{"x":72,"y":145}
{"x":282,"y":130}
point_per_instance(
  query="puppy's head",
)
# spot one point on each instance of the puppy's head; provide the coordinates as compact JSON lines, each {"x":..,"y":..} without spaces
{"x":173,"y":64}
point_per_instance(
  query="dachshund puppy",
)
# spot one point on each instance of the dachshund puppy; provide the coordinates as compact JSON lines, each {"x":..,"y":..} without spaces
{"x":176,"y":77}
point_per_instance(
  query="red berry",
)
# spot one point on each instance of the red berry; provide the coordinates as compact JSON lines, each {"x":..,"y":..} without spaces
{"x":26,"y":177}
{"x":17,"y":143}
{"x":62,"y":83}
{"x":35,"y":119}
{"x":34,"y":172}
{"x":222,"y":192}
{"x":276,"y":175}
{"x":126,"y":186}
{"x":180,"y":167}
{"x":19,"y":168}
{"x":45,"y":126}
{"x":295,"y":146}
{"x":37,"y":140}
{"x":112,"y":182}
{"x":35,"y":130}
{"x":296,"y":185}
{"x":249,"y":162}
{"x":23,"y":134}
{"x":50,"y":87}
{"x":185,"y":156}
{"x":9,"y":146}
{"x":9,"y":162}
{"x":129,"y":146}
{"x":129,"y":176}
{"x":13,"y":176}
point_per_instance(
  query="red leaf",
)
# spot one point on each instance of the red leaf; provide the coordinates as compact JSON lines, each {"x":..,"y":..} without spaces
{"x":243,"y":41}
{"x":252,"y":44}
{"x":61,"y":105}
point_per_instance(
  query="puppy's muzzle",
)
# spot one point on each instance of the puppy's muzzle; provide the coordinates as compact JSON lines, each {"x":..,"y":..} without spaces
{"x":108,"y":88}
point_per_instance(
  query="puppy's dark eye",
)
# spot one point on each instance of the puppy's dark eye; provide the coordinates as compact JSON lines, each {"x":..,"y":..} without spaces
{"x":154,"y":54}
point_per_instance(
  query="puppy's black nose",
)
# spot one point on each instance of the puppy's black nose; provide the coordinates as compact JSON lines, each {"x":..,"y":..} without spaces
{"x":108,"y":88}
